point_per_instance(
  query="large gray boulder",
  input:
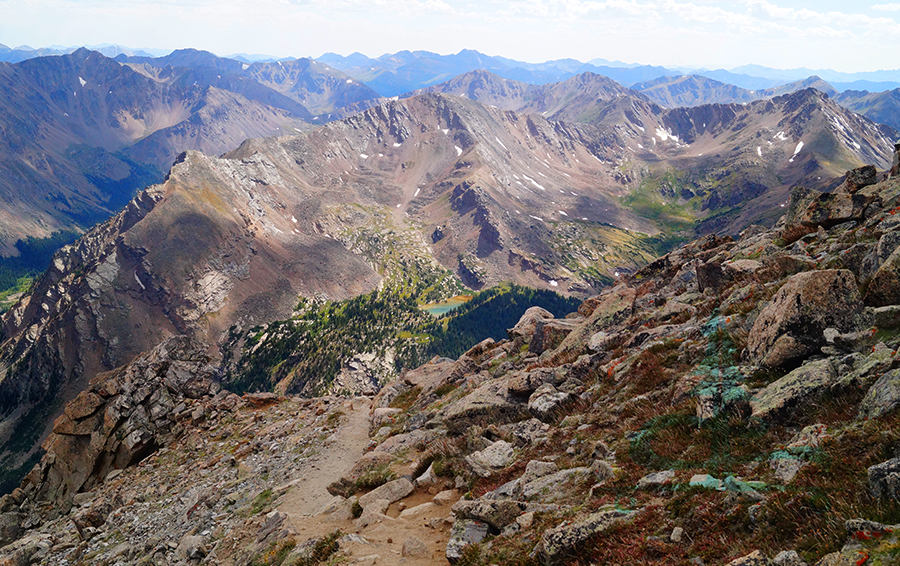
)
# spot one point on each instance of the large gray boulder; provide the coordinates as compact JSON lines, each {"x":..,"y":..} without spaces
{"x":495,"y":512}
{"x":792,"y":326}
{"x":804,"y":384}
{"x":559,"y":542}
{"x":882,"y":397}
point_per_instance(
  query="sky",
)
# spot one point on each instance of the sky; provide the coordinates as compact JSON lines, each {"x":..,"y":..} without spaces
{"x":821,"y":34}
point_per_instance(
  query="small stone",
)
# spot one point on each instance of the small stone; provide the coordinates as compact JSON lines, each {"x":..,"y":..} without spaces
{"x":525,"y":520}
{"x":464,"y":533}
{"x":414,"y":548}
{"x":656,"y":478}
{"x":445,"y":497}
{"x":676,"y":535}
{"x":788,"y":558}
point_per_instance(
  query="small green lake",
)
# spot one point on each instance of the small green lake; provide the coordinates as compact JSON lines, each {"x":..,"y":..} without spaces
{"x":437,"y":309}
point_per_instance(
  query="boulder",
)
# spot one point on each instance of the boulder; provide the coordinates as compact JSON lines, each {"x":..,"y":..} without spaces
{"x":656,"y":478}
{"x":392,"y":491}
{"x":882,"y":397}
{"x":524,"y":330}
{"x":831,"y":209}
{"x":804,"y":384}
{"x":495,"y":512}
{"x":523,"y":383}
{"x":860,"y":177}
{"x":496,"y":456}
{"x":788,"y":558}
{"x":465,"y":532}
{"x":536,"y":469}
{"x":557,"y":543}
{"x":490,"y":403}
{"x":549,"y":333}
{"x":546,"y":401}
{"x":884,"y":479}
{"x":884,"y":288}
{"x":792,"y":326}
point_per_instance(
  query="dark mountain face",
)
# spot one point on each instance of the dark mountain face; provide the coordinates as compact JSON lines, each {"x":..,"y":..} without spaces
{"x":882,"y":107}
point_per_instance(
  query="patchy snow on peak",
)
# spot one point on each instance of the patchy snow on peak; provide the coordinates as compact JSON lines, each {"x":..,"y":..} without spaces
{"x":82,"y":81}
{"x":759,"y":150}
{"x":553,"y":283}
{"x":458,"y":150}
{"x":245,"y":66}
{"x":798,"y":148}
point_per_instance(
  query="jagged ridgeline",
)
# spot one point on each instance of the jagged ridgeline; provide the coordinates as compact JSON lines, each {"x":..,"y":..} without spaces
{"x":359,"y":344}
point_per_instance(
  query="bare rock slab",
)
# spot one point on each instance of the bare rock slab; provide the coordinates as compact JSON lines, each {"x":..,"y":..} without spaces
{"x":464,"y":533}
{"x":559,"y":542}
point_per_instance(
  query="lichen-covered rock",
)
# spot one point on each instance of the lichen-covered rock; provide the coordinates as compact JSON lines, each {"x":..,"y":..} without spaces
{"x":882,"y":397}
{"x":524,"y":330}
{"x":546,"y":401}
{"x":830,"y":209}
{"x":884,"y":479}
{"x":464,"y":533}
{"x":755,"y":558}
{"x":884,"y":288}
{"x":792,"y":325}
{"x":805,"y":383}
{"x":490,"y":403}
{"x":495,"y":512}
{"x":558,"y":542}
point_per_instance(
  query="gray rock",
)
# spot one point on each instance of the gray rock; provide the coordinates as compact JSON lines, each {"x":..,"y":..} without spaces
{"x":490,"y":403}
{"x":414,"y":548}
{"x":792,"y":325}
{"x":536,"y":469}
{"x":392,"y":491}
{"x":525,"y":328}
{"x":546,"y":401}
{"x":465,"y":532}
{"x":559,"y":541}
{"x":788,"y":558}
{"x":804,"y":384}
{"x":525,"y":432}
{"x":882,"y":397}
{"x":656,"y":478}
{"x":786,"y":468}
{"x":497,"y":455}
{"x":553,"y":487}
{"x":10,"y":527}
{"x":884,"y":288}
{"x":191,"y":548}
{"x":677,"y":534}
{"x":428,"y":477}
{"x":884,"y":479}
{"x":494,"y":512}
{"x":755,"y":558}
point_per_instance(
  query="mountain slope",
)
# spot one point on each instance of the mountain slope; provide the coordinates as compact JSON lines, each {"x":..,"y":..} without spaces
{"x":82,"y":133}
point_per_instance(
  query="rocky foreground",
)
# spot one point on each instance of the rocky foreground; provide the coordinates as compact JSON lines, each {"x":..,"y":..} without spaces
{"x":734,"y":402}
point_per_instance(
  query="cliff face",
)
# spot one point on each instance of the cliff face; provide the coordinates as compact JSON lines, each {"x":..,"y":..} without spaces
{"x":705,"y":407}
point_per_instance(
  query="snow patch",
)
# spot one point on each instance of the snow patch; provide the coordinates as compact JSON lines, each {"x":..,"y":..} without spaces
{"x":780,"y":136}
{"x":417,"y":193}
{"x":536,"y":218}
{"x":363,"y":155}
{"x":535,"y":183}
{"x":553,"y":283}
{"x":458,"y":150}
{"x":294,"y":220}
{"x":561,"y":212}
{"x":136,"y":278}
{"x":397,"y":144}
{"x":349,"y":81}
{"x":663,"y":135}
{"x":446,"y":132}
{"x":759,"y":151}
{"x":245,"y":66}
{"x":82,"y":81}
{"x":798,"y":148}
{"x":500,"y":142}
{"x":399,"y":205}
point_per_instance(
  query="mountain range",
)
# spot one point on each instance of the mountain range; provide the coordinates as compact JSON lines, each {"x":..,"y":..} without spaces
{"x":340,"y":192}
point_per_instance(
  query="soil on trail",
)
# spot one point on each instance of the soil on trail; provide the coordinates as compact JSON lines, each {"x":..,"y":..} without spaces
{"x":378,"y":543}
{"x":340,"y":451}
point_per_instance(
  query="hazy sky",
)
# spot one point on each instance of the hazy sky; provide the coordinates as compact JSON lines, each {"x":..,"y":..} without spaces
{"x":841,"y":35}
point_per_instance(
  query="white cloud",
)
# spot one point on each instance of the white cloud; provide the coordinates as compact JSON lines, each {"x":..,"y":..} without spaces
{"x":887,"y":7}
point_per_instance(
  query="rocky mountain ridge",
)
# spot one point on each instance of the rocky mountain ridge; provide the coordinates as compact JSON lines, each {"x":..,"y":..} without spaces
{"x":733,"y":402}
{"x":84,"y":132}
